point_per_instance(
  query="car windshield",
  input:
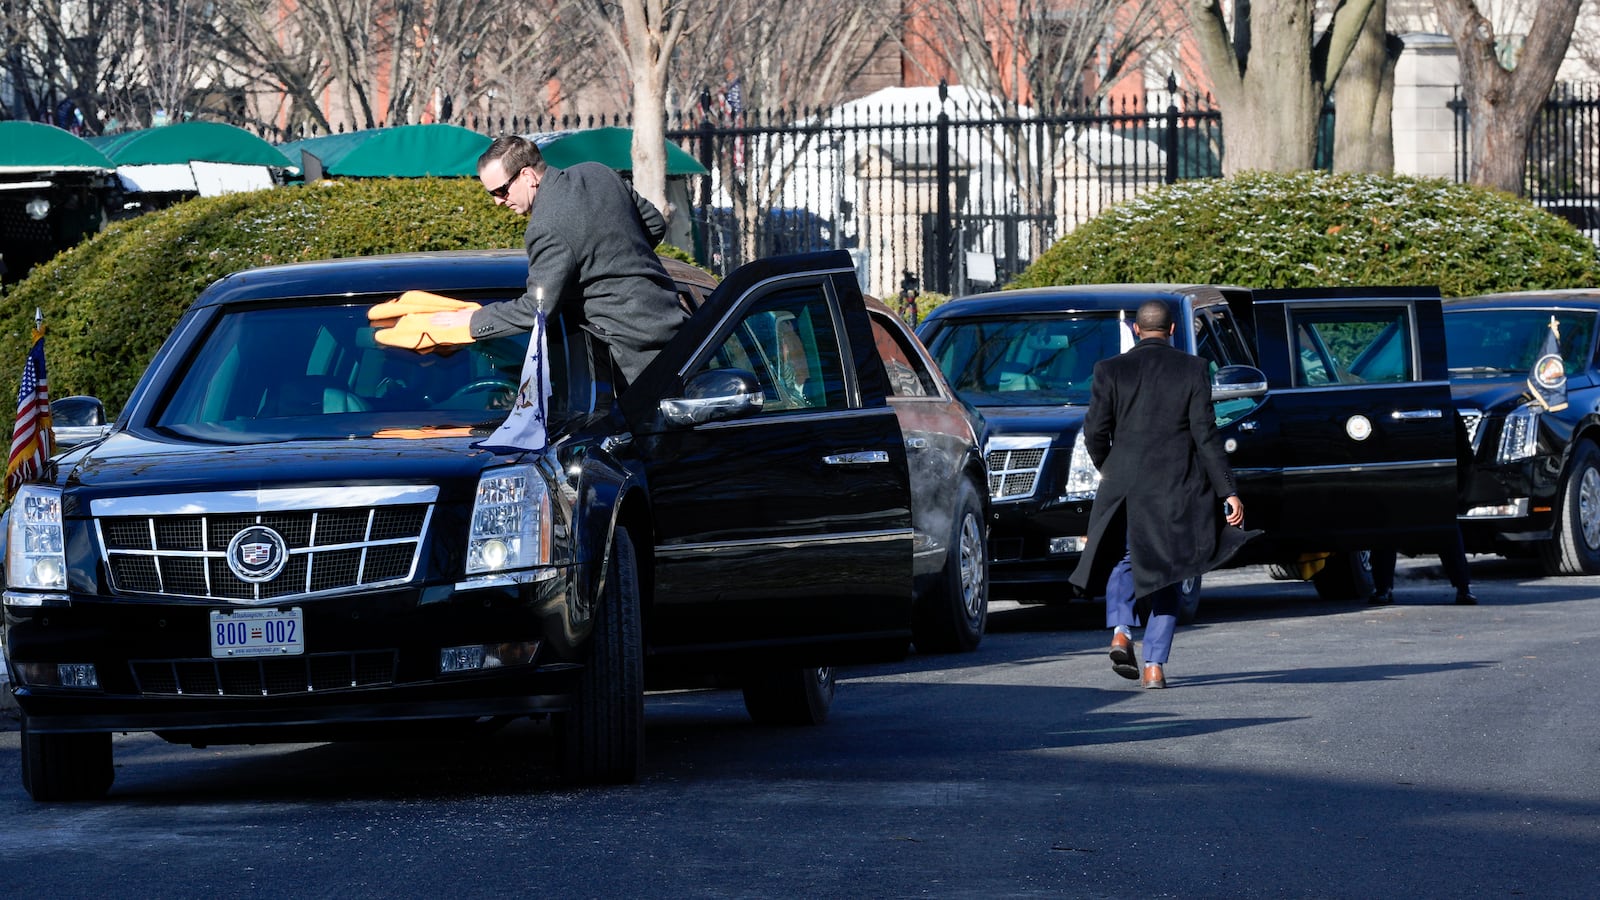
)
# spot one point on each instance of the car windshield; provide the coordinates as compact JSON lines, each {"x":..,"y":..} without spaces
{"x":1484,"y":343}
{"x":1033,"y":361}
{"x":317,"y":372}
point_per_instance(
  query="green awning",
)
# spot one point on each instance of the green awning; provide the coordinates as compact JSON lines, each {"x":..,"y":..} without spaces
{"x":399,"y":151}
{"x":37,"y":146}
{"x":187,"y":142}
{"x":611,"y":145}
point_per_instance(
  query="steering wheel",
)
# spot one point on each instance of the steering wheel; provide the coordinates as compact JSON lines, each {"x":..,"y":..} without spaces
{"x":485,"y":385}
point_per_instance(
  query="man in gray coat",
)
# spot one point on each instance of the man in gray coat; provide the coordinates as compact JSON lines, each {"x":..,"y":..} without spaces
{"x":1165,"y":490}
{"x":591,"y":239}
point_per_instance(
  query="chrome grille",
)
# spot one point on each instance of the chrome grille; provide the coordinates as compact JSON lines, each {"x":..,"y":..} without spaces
{"x":267,"y":676}
{"x":158,"y":546}
{"x":1014,"y":473}
{"x":1473,"y":419}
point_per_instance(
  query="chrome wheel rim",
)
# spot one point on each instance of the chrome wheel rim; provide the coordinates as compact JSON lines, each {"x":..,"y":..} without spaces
{"x":971,"y":562}
{"x":1589,"y":507}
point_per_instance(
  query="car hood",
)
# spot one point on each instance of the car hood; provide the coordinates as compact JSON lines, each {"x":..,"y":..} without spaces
{"x":1498,"y":395}
{"x":127,"y":464}
{"x":1063,"y":422}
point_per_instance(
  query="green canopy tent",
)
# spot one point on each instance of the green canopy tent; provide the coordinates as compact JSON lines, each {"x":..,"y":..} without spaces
{"x":37,"y":147}
{"x":55,"y":188}
{"x":612,"y":145}
{"x":399,"y":151}
{"x":186,"y":142}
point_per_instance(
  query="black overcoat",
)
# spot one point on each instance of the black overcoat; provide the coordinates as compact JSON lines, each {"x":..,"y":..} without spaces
{"x":1151,"y":431}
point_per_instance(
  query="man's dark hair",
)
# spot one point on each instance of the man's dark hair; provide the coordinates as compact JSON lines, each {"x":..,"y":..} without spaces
{"x":1154,"y":317}
{"x":515,"y":153}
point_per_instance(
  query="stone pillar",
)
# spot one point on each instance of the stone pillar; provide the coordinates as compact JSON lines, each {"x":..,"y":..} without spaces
{"x":1425,"y":80}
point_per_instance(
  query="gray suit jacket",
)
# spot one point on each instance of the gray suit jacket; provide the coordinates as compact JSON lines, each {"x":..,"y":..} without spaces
{"x":591,"y":238}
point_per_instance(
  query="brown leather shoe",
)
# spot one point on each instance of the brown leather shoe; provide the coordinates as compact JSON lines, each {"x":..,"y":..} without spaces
{"x":1153,"y":677}
{"x":1122,"y":659}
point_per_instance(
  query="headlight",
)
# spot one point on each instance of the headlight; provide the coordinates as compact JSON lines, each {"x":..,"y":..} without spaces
{"x":36,"y":556}
{"x":1519,"y":437}
{"x":510,"y":522}
{"x":1083,"y":479}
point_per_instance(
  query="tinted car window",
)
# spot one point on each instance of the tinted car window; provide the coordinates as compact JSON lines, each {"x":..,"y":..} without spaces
{"x":1027,"y":362}
{"x":1507,"y":341}
{"x":908,"y":377}
{"x":316,"y":371}
{"x":789,"y":342}
{"x":1353,"y":346}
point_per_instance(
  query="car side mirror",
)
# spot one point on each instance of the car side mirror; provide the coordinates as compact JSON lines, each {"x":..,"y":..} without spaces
{"x":714,"y":396}
{"x":77,"y":420}
{"x":1238,"y":382}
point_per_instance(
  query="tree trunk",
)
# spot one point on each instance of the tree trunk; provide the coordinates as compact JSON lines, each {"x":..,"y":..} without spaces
{"x":650,"y":142}
{"x":1271,"y":77}
{"x":1502,"y":103}
{"x":1363,"y":125}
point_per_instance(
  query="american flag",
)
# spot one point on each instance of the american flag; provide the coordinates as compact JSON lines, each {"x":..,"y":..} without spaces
{"x":32,"y":441}
{"x":733,"y":102}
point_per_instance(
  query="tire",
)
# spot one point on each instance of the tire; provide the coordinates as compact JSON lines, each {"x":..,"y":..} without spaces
{"x":789,"y":696}
{"x":1281,"y":572}
{"x":1188,"y":600}
{"x":951,"y":616}
{"x":603,"y":733}
{"x":1574,"y":545}
{"x":65,"y":766}
{"x":1345,"y":578}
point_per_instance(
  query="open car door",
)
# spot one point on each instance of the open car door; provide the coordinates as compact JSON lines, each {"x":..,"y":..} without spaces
{"x":777,"y":474}
{"x":1357,"y":424}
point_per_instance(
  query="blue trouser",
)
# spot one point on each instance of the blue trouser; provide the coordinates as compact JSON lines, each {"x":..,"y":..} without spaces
{"x":1163,"y":611}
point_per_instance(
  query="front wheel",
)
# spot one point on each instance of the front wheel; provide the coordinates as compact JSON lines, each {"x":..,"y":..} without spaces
{"x":603,"y":734}
{"x":1574,"y":545}
{"x":789,"y":696}
{"x":951,"y":616}
{"x":65,"y":766}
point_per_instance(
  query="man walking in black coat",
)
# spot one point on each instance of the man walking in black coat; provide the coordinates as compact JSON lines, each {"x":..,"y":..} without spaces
{"x":590,"y":240}
{"x":1165,"y":489}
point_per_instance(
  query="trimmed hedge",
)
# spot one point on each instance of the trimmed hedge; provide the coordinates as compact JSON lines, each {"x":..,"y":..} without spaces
{"x":1311,"y":229}
{"x":111,"y":301}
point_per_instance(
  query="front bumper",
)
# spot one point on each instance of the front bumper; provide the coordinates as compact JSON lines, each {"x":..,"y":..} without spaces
{"x":373,"y":657}
{"x":1020,"y":539}
{"x":1510,"y":503}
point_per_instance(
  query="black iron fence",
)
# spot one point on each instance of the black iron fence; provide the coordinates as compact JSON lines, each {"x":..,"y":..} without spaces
{"x":1564,"y":156}
{"x":925,"y":186}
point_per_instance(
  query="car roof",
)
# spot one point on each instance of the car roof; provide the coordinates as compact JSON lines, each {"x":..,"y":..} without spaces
{"x":1571,"y":298}
{"x":440,"y":271}
{"x":1062,"y":298}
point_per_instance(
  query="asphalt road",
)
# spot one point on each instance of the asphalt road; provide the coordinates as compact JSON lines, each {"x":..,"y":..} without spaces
{"x":1302,"y":750}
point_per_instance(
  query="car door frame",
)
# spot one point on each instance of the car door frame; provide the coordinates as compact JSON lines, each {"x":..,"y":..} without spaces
{"x":785,"y":536}
{"x":1358,"y":465}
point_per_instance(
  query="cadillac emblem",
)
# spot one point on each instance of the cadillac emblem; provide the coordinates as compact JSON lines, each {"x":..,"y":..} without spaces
{"x":257,"y":554}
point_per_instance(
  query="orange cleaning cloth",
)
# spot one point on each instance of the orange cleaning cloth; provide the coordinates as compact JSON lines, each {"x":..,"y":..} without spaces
{"x":416,"y":331}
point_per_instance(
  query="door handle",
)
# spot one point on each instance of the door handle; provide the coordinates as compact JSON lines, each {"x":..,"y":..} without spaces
{"x":1410,"y":414}
{"x":858,"y":458}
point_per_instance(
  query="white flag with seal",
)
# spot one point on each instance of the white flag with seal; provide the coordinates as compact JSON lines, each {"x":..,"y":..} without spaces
{"x":524,"y":427}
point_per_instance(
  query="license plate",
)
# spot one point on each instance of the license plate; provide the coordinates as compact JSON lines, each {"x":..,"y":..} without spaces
{"x":257,"y":632}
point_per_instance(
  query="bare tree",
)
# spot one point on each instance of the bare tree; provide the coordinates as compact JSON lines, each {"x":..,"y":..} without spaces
{"x":1502,"y":96}
{"x":781,"y":58}
{"x":1045,"y":52}
{"x":645,"y":34}
{"x":1363,"y":135}
{"x":79,"y":53}
{"x":1272,"y":73}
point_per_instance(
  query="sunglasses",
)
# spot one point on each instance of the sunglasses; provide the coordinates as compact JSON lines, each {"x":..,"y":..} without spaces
{"x":500,"y":192}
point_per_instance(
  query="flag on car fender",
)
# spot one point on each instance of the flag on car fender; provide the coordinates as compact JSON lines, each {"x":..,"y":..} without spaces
{"x":1548,"y":377}
{"x":32,"y":440}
